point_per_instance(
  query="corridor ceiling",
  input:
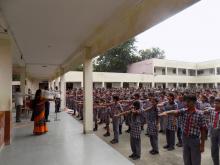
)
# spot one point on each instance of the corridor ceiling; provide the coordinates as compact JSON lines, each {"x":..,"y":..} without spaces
{"x":51,"y":34}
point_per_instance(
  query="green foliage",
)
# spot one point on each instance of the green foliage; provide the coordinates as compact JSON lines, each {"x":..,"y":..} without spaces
{"x":117,"y":59}
{"x":152,"y":53}
{"x":79,"y":68}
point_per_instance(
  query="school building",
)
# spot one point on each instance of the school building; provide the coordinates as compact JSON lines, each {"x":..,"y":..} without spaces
{"x":42,"y":41}
{"x":159,"y":73}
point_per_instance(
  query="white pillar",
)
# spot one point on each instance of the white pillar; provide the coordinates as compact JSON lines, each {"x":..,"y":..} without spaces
{"x":63,"y":91}
{"x":5,"y":92}
{"x":22,"y":80}
{"x":103,"y":84}
{"x":121,"y":84}
{"x":88,"y":92}
{"x":137,"y":85}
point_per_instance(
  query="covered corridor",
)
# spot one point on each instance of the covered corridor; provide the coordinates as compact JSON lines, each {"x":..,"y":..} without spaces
{"x":63,"y":144}
{"x":43,"y":40}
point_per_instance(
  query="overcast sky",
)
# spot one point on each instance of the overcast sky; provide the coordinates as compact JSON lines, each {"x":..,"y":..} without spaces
{"x":191,"y":35}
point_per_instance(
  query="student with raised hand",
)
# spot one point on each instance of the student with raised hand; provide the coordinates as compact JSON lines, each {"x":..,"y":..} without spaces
{"x":194,"y":130}
{"x":153,"y":125}
{"x":171,"y":122}
{"x":116,"y":108}
{"x":214,"y":130}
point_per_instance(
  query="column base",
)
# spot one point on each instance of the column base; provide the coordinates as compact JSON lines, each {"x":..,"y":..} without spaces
{"x":88,"y":132}
{"x":5,"y":128}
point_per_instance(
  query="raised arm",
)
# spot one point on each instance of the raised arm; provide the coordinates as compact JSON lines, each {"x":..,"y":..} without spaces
{"x":171,"y":112}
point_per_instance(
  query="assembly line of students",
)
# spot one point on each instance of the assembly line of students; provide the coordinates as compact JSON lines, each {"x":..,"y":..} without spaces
{"x":191,"y":114}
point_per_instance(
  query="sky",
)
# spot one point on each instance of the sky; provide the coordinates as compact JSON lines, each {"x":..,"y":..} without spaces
{"x":192,"y":35}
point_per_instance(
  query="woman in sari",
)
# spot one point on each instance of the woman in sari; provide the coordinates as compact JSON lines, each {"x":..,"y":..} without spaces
{"x":40,"y":126}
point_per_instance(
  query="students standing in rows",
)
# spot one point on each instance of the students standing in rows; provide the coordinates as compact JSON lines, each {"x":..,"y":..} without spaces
{"x":194,"y":130}
{"x":153,"y":125}
{"x":181,"y":105}
{"x":116,"y":108}
{"x":214,"y":130}
{"x":171,"y":122}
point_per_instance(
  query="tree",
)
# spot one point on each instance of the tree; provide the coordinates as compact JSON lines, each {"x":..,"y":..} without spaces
{"x":117,"y":59}
{"x":152,"y":53}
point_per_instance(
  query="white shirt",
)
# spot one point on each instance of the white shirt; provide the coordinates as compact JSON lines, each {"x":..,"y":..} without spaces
{"x":18,"y":98}
{"x":57,"y":94}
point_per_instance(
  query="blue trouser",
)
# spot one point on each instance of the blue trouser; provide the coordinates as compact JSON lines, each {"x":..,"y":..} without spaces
{"x":115,"y":123}
{"x":135,"y":146}
{"x":179,"y":134}
{"x":191,"y":150}
{"x":154,"y":142}
{"x":215,"y":142}
{"x":170,"y":137}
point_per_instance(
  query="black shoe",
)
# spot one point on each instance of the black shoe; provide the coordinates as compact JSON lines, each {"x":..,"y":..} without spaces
{"x":120,"y":133}
{"x":128,"y":131}
{"x":106,"y":134}
{"x":18,"y":121}
{"x":154,"y":152}
{"x":47,"y":120}
{"x":146,"y":134}
{"x":114,"y":141}
{"x":81,"y":119}
{"x":131,"y":156}
{"x":95,"y":129}
{"x":170,"y":148}
{"x":160,"y":131}
{"x":179,"y":144}
{"x":136,"y":157}
{"x":151,"y":151}
{"x":166,"y":147}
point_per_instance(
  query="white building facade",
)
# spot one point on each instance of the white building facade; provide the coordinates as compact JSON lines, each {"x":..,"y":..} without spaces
{"x":158,"y":73}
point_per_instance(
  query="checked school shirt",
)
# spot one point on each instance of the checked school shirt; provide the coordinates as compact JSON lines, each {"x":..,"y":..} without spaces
{"x":153,"y":115}
{"x":171,"y":120}
{"x":192,"y":122}
{"x":135,"y":125}
{"x":214,"y":118}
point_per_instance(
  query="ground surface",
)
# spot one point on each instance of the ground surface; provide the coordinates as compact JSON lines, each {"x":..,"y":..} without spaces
{"x":64,"y":144}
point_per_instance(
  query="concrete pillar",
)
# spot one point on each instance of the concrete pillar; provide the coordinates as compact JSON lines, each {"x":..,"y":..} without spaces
{"x":6,"y":92}
{"x":121,"y":84}
{"x":166,"y":71}
{"x":63,"y":92}
{"x":88,"y":92}
{"x":137,"y":85}
{"x":103,"y":84}
{"x":187,"y":72}
{"x":152,"y":85}
{"x":216,"y":85}
{"x":23,"y":80}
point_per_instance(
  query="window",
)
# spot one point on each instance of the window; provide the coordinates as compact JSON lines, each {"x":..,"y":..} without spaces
{"x":184,"y":71}
{"x":200,"y":72}
{"x":211,"y":71}
{"x":192,"y":72}
{"x":163,"y":71}
{"x":218,"y":71}
{"x":174,"y":71}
